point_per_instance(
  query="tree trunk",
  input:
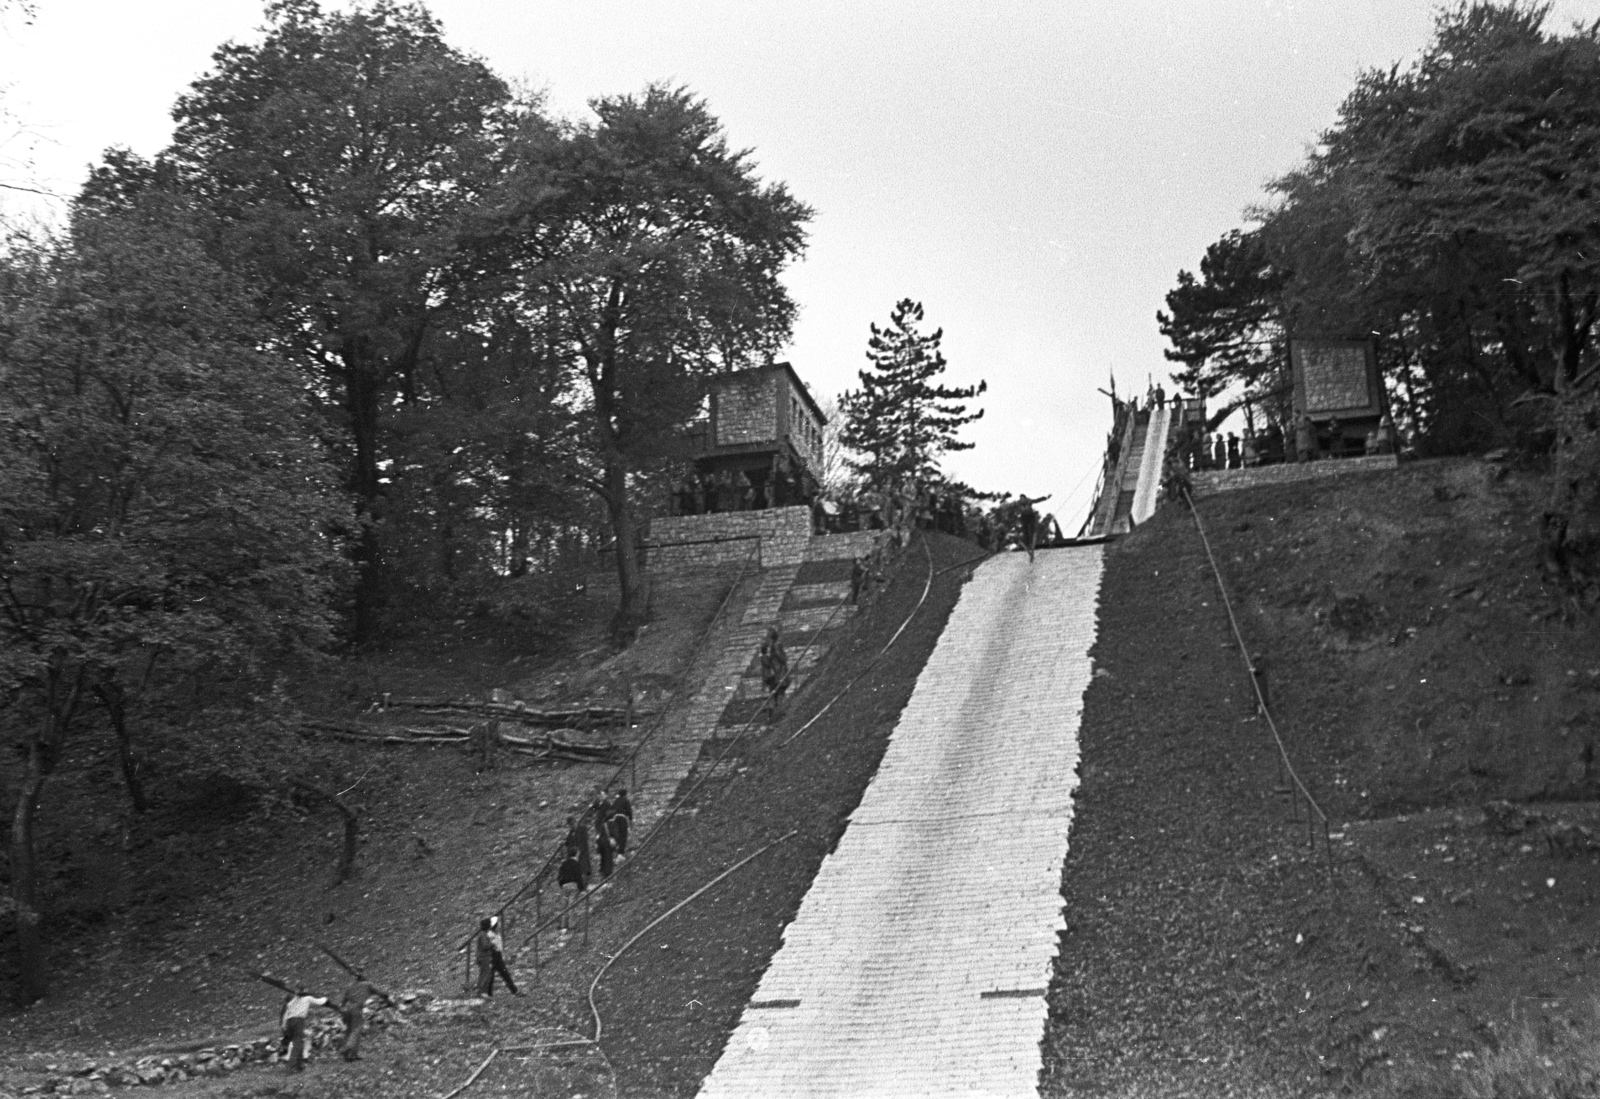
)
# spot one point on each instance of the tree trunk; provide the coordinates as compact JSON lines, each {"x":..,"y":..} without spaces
{"x":25,"y":880}
{"x":116,"y":705}
{"x":61,"y":702}
{"x":362,"y":392}
{"x":1571,"y":535}
{"x":631,"y":606}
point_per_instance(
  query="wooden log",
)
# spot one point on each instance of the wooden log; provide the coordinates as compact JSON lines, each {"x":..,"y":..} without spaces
{"x":609,"y":715}
{"x":542,"y":747}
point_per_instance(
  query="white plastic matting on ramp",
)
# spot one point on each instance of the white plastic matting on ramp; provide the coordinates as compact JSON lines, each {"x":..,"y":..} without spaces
{"x":918,"y":962}
{"x":1151,"y":463}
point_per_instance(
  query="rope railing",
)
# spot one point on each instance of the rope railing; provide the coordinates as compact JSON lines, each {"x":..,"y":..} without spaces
{"x":1314,"y":812}
{"x":631,"y":761}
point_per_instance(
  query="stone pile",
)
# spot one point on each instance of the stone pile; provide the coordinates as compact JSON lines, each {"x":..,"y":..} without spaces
{"x":324,"y":1031}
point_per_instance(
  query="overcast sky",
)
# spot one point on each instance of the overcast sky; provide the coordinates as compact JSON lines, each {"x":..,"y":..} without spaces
{"x":1034,"y":173}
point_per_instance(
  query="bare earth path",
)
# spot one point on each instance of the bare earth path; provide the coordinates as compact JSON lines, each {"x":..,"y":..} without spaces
{"x":918,"y":962}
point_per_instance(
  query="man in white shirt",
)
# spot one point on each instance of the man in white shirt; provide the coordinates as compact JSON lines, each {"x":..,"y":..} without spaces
{"x":296,"y":1010}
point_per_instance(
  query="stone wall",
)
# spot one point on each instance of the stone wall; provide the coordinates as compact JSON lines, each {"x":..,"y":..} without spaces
{"x":842,"y":547}
{"x":746,"y":409}
{"x":725,"y":537}
{"x":1207,"y":482}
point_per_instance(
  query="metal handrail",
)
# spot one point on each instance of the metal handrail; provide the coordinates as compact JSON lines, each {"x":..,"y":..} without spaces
{"x":633,"y":755}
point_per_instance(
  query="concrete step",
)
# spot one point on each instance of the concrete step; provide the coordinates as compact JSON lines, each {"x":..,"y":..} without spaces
{"x":812,"y":595}
{"x":810,"y":619}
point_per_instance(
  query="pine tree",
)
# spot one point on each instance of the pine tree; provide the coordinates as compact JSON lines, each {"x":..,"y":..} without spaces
{"x":900,"y":421}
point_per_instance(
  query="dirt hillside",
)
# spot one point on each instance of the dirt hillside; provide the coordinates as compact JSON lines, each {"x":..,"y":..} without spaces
{"x":1418,"y":669}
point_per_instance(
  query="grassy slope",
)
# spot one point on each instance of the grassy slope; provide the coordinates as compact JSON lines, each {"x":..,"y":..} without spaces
{"x":1416,"y":663}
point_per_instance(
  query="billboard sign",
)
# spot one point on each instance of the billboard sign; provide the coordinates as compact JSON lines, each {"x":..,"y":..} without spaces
{"x":1335,"y":378}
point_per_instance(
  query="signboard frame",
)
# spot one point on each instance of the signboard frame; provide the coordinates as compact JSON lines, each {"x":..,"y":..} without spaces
{"x":1375,"y":404}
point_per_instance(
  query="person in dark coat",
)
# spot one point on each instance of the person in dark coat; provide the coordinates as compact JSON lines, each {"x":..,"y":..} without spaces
{"x":1219,"y":452}
{"x":353,"y":1010}
{"x":774,"y":666}
{"x":607,"y":848}
{"x":578,"y":837}
{"x":571,"y":880}
{"x":619,"y":825}
{"x":621,"y":805}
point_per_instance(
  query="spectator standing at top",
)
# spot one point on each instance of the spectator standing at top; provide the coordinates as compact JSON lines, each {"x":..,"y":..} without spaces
{"x":1219,"y":452}
{"x":1159,"y":397}
{"x":1233,"y":450}
{"x":1305,"y":440}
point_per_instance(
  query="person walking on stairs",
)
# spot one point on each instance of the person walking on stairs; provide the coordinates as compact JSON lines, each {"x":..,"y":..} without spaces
{"x":571,"y":880}
{"x":491,"y":957}
{"x":774,"y":667}
{"x":578,"y":838}
{"x":621,"y":820}
{"x":607,"y":848}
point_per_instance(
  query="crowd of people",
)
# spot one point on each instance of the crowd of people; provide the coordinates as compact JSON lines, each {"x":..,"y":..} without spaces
{"x":1311,"y":441}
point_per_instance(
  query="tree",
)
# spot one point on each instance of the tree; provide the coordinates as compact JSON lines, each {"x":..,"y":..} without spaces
{"x":337,"y":157}
{"x":1495,"y":167}
{"x":650,"y":254}
{"x":900,"y":421}
{"x":160,"y":495}
{"x":1450,"y":214}
{"x":1226,"y":326}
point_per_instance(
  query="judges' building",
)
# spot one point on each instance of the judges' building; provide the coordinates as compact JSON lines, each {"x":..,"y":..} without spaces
{"x":760,"y":447}
{"x":754,"y":486}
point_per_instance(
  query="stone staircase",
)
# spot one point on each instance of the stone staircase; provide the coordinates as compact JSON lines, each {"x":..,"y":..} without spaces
{"x":680,"y":740}
{"x":808,"y":602}
{"x":814,"y":610}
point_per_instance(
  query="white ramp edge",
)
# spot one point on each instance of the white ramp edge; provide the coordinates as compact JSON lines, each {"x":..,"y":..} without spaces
{"x":1155,"y":455}
{"x":919,"y":959}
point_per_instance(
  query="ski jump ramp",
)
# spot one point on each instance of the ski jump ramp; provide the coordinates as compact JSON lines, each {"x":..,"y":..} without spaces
{"x":1151,"y":462}
{"x":919,"y":959}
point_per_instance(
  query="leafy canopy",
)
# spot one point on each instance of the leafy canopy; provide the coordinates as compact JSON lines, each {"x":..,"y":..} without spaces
{"x":162,"y":489}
